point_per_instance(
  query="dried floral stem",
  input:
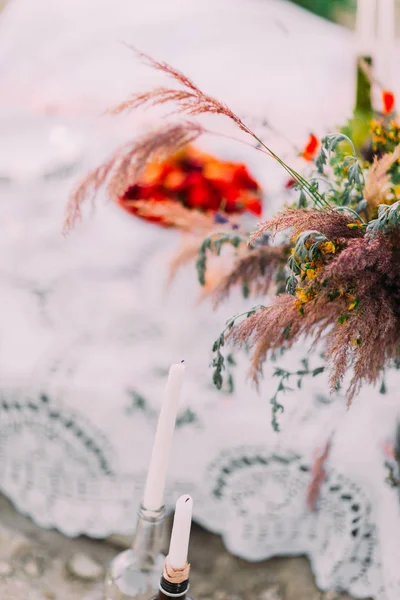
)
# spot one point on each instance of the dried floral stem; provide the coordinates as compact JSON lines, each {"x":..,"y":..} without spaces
{"x":303,"y":183}
{"x":127,"y":164}
{"x":193,"y":101}
{"x":318,"y":475}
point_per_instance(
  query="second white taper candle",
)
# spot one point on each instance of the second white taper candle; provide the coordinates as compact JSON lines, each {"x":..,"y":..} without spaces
{"x":180,"y":536}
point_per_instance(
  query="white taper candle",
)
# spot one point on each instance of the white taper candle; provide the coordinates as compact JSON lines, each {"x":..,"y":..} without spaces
{"x":386,"y":40}
{"x":365,"y":26}
{"x":178,"y":548}
{"x":154,"y":490}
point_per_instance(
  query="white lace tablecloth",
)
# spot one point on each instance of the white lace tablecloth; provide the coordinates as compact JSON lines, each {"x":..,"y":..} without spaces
{"x":88,"y":331}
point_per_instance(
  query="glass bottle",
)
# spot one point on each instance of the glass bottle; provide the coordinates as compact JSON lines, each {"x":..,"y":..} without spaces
{"x":134,"y":574}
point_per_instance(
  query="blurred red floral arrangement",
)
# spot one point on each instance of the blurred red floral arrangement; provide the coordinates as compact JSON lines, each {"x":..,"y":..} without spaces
{"x":195,"y":180}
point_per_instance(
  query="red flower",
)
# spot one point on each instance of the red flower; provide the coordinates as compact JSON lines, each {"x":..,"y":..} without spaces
{"x":200,"y":194}
{"x":290,"y":183}
{"x":199,"y":181}
{"x":311,"y":148}
{"x":388,"y":100}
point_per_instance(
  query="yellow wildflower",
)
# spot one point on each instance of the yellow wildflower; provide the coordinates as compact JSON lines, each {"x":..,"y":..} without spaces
{"x":328,"y":248}
{"x":353,"y":305}
{"x":311,"y":273}
{"x":355,"y":225}
{"x":303,"y":295}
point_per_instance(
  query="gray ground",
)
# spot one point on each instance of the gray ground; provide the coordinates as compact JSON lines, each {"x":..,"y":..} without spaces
{"x":44,"y":565}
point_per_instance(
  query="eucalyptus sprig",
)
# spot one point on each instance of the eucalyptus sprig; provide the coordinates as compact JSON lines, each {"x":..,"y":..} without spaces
{"x":350,"y":187}
{"x":284,"y":377}
{"x":388,"y":216}
{"x":392,"y":478}
{"x":220,"y":363}
{"x":304,"y":251}
{"x":214,"y":243}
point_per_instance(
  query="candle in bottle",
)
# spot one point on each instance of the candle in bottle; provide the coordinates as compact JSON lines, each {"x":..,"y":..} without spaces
{"x":179,"y":544}
{"x":135,"y":573}
{"x":155,"y":484}
{"x":174,"y":581}
{"x":365,"y":26}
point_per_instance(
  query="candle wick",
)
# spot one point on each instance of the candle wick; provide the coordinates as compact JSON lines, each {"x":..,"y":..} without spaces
{"x":182,"y":361}
{"x":187,"y":499}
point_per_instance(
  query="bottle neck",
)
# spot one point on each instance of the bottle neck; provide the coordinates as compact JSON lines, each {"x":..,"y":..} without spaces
{"x":147,"y":542}
{"x":173,"y":591}
{"x":162,"y":596}
{"x":363,"y":92}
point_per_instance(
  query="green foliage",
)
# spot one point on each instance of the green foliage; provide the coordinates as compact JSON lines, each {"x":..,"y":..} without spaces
{"x":305,"y":251}
{"x":291,"y":284}
{"x":392,"y":479}
{"x":222,"y":364}
{"x":214,"y":243}
{"x":339,"y":152}
{"x":284,"y":377}
{"x":388,"y":216}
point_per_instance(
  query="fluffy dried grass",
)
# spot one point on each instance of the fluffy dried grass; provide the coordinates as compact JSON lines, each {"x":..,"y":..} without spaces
{"x":331,"y":223}
{"x":127,"y":164}
{"x":378,"y":180}
{"x":173,"y":214}
{"x":255,"y":270}
{"x":190,"y":100}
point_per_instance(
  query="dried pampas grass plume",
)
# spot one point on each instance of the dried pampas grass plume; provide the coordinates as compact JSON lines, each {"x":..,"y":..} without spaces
{"x":173,"y":214}
{"x":190,"y":100}
{"x":255,"y":271}
{"x":331,"y":223}
{"x":378,"y":180}
{"x":127,"y":164}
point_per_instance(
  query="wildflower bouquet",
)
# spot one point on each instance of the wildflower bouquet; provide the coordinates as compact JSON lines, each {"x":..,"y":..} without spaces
{"x":336,"y":266}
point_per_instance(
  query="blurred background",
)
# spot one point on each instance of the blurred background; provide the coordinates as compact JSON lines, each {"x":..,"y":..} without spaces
{"x":341,"y":11}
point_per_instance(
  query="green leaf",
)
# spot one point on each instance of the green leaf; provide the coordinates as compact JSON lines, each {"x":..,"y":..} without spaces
{"x":230,"y":360}
{"x":321,"y":160}
{"x":291,"y":285}
{"x":302,"y":200}
{"x":317,"y":371}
